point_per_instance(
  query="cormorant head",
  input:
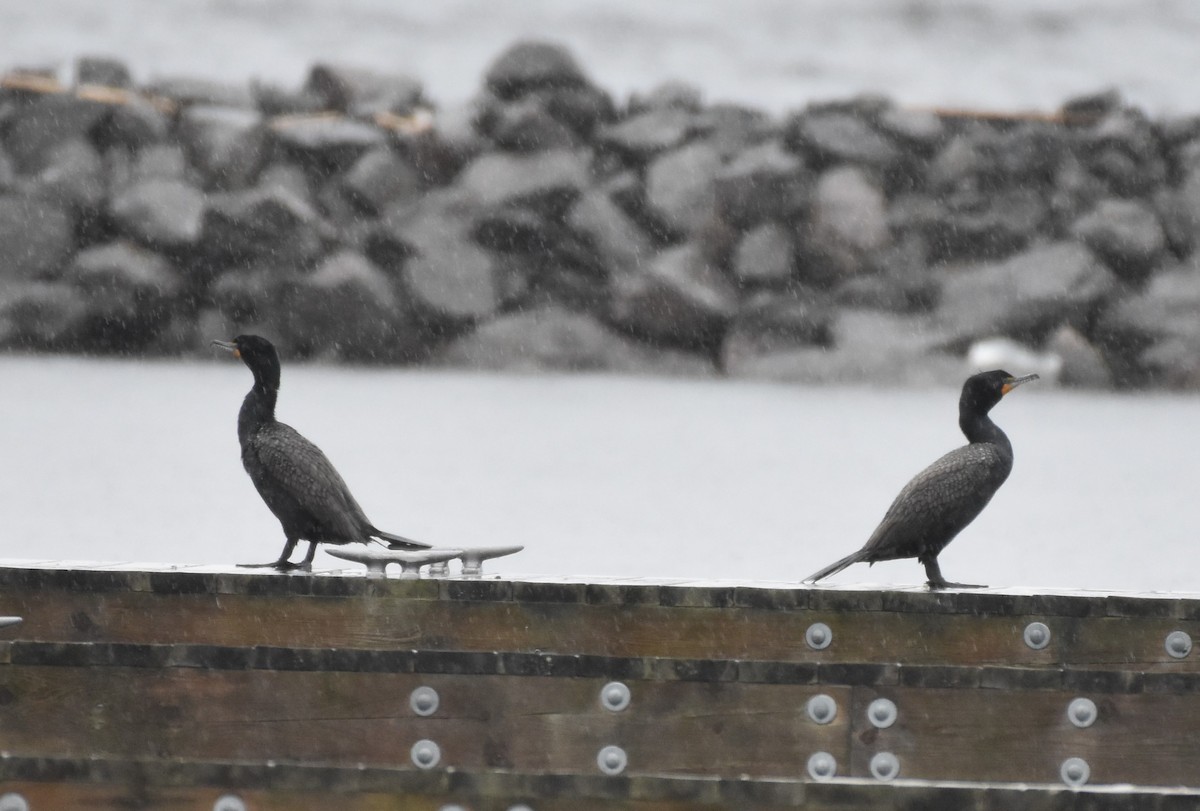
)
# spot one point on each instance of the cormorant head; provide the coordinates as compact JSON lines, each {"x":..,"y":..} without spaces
{"x":257,"y":353}
{"x":984,"y":390}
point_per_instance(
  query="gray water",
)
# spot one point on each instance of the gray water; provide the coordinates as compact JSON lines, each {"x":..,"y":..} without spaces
{"x":597,"y":476}
{"x":774,"y":54}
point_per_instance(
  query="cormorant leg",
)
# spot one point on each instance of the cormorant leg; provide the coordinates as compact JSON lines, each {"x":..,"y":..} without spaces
{"x":283,"y":564}
{"x":934,"y":572}
{"x":306,"y":564}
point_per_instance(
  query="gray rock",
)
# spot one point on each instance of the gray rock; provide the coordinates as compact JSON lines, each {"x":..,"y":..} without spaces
{"x":226,"y":144}
{"x":867,"y":346}
{"x":184,"y":91}
{"x":769,"y":323}
{"x":36,"y":237}
{"x":1126,"y":234}
{"x":669,"y":95}
{"x":526,"y":126}
{"x":379,"y":179}
{"x":346,"y":305}
{"x":733,"y":129}
{"x":252,"y":295}
{"x":972,"y":224}
{"x":42,"y":315}
{"x":621,"y":246}
{"x":74,"y":175}
{"x":582,"y":108}
{"x":439,"y":154}
{"x":680,"y":187}
{"x":849,"y":210}
{"x":130,"y":294}
{"x":547,"y":182}
{"x":836,"y":137}
{"x":1083,"y":365}
{"x":44,"y":123}
{"x":160,"y":212}
{"x":1165,"y":308}
{"x":765,"y":255}
{"x":1026,"y":295}
{"x":641,"y":137}
{"x":765,"y":182}
{"x":552,"y":338}
{"x":326,"y":143}
{"x":1123,"y":150}
{"x":355,"y":90}
{"x":679,"y":298}
{"x":103,"y":71}
{"x":266,"y":222}
{"x":847,"y":227}
{"x":135,"y":123}
{"x":532,"y":65}
{"x":921,"y":130}
{"x":448,"y":276}
{"x":513,"y":230}
{"x":159,"y":161}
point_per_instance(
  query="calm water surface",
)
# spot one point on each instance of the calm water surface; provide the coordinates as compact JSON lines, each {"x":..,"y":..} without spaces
{"x":598,"y":476}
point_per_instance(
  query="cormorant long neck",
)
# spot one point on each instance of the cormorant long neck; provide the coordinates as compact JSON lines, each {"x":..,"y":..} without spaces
{"x":975,"y":423}
{"x":258,"y":409}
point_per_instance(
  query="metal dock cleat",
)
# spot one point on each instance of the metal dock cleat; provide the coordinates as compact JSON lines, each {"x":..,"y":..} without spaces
{"x":473,"y":558}
{"x":410,"y":561}
{"x":7,"y":621}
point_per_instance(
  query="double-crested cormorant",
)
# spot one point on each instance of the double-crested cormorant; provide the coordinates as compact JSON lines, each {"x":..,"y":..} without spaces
{"x":291,"y":474}
{"x":943,"y":498}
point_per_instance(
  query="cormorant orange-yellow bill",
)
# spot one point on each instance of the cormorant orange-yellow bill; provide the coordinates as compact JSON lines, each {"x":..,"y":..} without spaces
{"x":1013,"y":382}
{"x":229,"y":346}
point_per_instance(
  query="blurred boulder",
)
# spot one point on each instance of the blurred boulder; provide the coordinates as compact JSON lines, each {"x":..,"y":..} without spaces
{"x":44,"y":123}
{"x":1126,"y":234}
{"x":678,"y":298}
{"x":864,"y":346}
{"x":102,"y":71}
{"x":268,"y":221}
{"x":765,"y":255}
{"x":768,"y":323}
{"x":969,"y":224}
{"x":36,"y":237}
{"x":1123,"y":150}
{"x":1083,"y":365}
{"x":447,"y":276}
{"x":848,"y":225}
{"x":832,"y":137}
{"x":130,"y":293}
{"x":764,"y":182}
{"x":1026,"y":295}
{"x":527,"y":126}
{"x":379,"y":179}
{"x":346,"y":305}
{"x":669,"y":95}
{"x":618,"y":243}
{"x":642,"y":136}
{"x":921,"y":130}
{"x":532,"y":65}
{"x":680,"y":187}
{"x":160,"y":212}
{"x":185,"y":91}
{"x":73,"y":175}
{"x":357,"y":91}
{"x":226,"y":144}
{"x":547,"y":182}
{"x":325,"y":144}
{"x":553,"y":338}
{"x":42,"y":315}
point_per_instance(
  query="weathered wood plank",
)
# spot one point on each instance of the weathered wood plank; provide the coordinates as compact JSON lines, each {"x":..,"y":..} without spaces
{"x":606,"y":630}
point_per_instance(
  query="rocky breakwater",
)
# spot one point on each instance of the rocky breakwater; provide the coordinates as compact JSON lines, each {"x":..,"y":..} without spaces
{"x":545,"y":226}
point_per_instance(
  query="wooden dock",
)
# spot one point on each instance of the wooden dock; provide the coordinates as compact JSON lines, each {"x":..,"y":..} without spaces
{"x":212,"y":688}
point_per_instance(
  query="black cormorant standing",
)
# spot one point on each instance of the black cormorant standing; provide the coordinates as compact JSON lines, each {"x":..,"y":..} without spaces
{"x":943,"y":498}
{"x":291,"y":474}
